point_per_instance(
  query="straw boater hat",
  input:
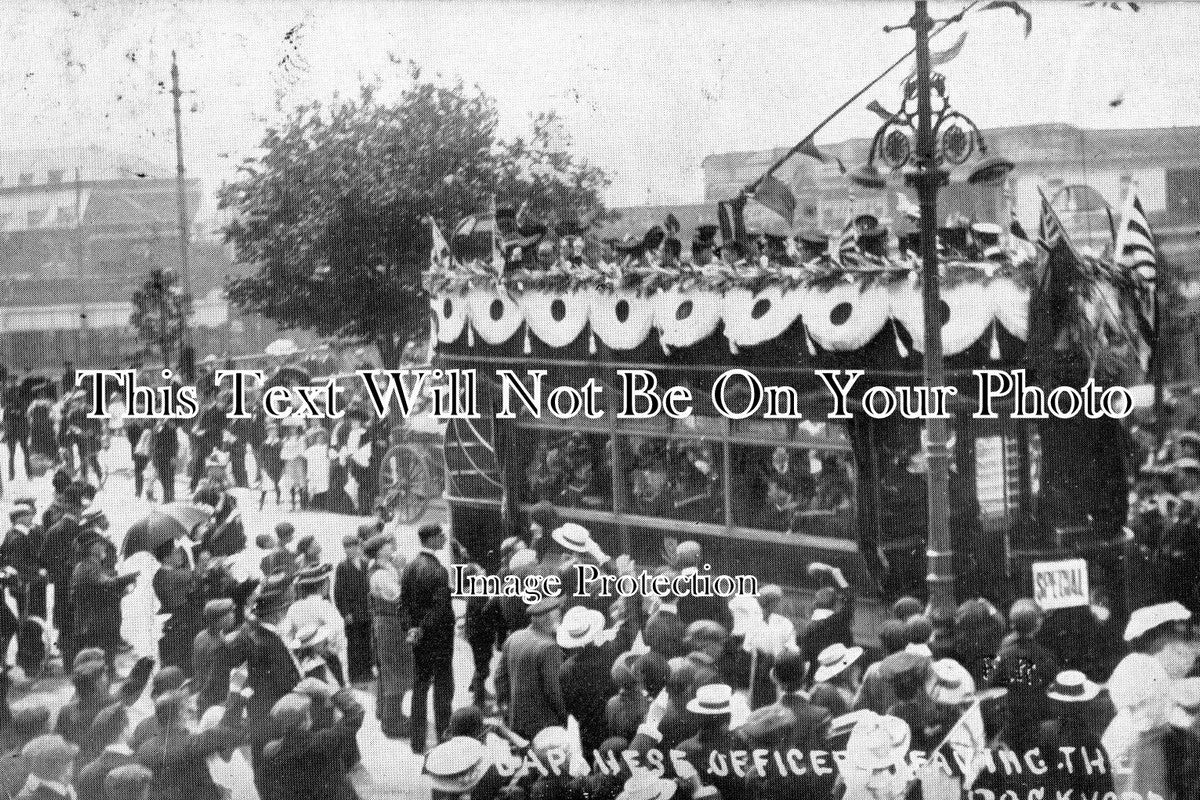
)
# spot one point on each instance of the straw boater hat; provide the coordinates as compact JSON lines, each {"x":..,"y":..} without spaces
{"x":308,"y":634}
{"x":711,"y":700}
{"x":1072,"y":686}
{"x":878,"y":742}
{"x":572,"y":536}
{"x":643,"y":785}
{"x":835,"y":659}
{"x":1143,"y":620}
{"x":949,"y":683}
{"x":580,"y":627}
{"x":457,"y":765}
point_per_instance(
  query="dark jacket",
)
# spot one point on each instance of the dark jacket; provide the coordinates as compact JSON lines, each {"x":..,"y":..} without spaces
{"x":179,"y":759}
{"x":664,"y":634}
{"x":527,"y":679}
{"x":425,"y":596}
{"x":812,"y":722}
{"x":279,"y":560}
{"x":271,"y":672}
{"x":96,"y":598}
{"x":352,"y":592}
{"x":311,"y":764}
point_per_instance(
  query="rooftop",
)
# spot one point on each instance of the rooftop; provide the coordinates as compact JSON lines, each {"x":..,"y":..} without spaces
{"x":51,"y":166}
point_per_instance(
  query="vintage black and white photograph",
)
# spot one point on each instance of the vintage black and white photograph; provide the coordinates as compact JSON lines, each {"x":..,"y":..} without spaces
{"x":596,"y":400}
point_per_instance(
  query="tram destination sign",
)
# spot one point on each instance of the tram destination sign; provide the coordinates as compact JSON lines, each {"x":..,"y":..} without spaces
{"x":1060,"y":584}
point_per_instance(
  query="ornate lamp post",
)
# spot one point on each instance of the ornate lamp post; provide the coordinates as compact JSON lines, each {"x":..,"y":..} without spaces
{"x":923,"y":142}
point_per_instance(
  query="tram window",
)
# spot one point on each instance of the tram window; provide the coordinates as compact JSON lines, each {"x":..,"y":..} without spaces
{"x":777,"y":488}
{"x":675,"y":478}
{"x":568,"y":469}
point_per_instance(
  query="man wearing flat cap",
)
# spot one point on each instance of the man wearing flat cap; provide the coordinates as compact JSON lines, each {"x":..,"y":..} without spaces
{"x":425,"y":596}
{"x":51,"y":763}
{"x":305,"y":762}
{"x":210,"y":654}
{"x":58,"y":559}
{"x":527,"y":679}
{"x":96,"y":591}
{"x":352,"y":596}
{"x":178,"y":757}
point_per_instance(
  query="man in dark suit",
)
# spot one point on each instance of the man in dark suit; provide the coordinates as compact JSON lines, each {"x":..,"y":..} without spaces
{"x":425,"y":597}
{"x":57,"y":557}
{"x":664,"y":630}
{"x":207,"y":435}
{"x":272,"y":671}
{"x":812,"y":722}
{"x":352,"y":596}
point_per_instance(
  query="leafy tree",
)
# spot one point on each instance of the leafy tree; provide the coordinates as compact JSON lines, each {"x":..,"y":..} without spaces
{"x":161,"y":310}
{"x":331,"y":214}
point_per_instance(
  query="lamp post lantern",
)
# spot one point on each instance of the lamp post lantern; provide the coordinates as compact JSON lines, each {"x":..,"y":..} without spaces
{"x":926,"y":139}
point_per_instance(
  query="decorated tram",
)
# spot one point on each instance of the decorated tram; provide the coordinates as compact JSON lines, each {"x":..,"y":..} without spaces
{"x":768,"y":495}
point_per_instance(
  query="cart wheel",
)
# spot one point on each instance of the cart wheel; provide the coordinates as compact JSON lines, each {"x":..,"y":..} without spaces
{"x":406,"y":482}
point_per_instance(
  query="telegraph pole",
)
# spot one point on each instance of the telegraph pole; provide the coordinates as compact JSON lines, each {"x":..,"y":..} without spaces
{"x":80,"y":270}
{"x":186,"y":353}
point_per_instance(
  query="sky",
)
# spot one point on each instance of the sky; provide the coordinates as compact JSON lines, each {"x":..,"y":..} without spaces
{"x":646,"y":90}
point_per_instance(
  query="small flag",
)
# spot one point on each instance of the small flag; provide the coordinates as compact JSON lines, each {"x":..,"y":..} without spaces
{"x":1050,"y":228}
{"x":1136,"y":252}
{"x":1014,"y":225}
{"x":847,"y":246}
{"x":777,"y":196}
{"x":439,"y":253}
{"x":812,"y":151}
{"x":732,"y":219}
{"x":938,"y":58}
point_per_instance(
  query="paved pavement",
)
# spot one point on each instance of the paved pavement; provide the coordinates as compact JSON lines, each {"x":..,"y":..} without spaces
{"x":390,"y":769}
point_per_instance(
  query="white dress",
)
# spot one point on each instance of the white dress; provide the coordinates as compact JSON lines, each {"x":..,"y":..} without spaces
{"x":140,"y":625}
{"x":317,"y":458}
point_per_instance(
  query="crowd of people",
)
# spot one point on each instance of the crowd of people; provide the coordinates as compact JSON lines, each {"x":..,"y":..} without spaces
{"x":257,"y":662}
{"x":297,"y":463}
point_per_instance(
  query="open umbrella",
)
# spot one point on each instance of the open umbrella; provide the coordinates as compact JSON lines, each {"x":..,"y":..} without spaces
{"x":162,"y":525}
{"x":281,"y":347}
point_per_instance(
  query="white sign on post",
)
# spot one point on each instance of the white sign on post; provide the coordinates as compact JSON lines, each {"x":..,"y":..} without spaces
{"x":1060,"y":584}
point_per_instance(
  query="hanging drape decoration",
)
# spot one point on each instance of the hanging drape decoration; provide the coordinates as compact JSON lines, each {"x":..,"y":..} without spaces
{"x":621,"y":320}
{"x":451,"y":315}
{"x":556,"y":319}
{"x":495,"y":316}
{"x":685,"y":317}
{"x":966,"y":313}
{"x":846,"y":316}
{"x":1010,"y":304}
{"x":752,"y":318}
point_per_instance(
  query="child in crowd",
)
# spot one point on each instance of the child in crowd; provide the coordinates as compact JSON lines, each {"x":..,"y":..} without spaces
{"x":292,"y":455}
{"x":270,"y":451}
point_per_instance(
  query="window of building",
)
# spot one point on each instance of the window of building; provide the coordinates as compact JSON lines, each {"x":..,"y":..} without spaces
{"x":66,"y":215}
{"x":54,"y":177}
{"x":25,"y":179}
{"x":1183,"y":195}
{"x":35,"y":218}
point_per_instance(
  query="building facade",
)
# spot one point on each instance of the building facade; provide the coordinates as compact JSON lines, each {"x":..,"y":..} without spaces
{"x":80,"y":230}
